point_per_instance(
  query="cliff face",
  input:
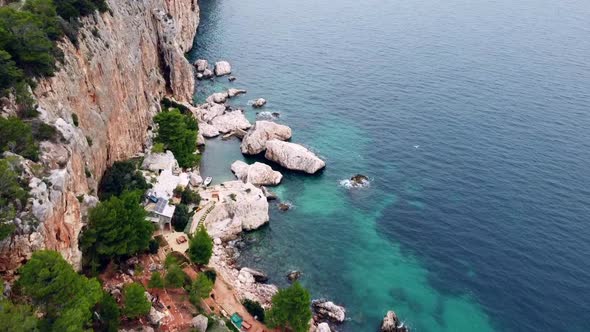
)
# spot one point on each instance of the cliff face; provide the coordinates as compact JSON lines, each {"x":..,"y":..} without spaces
{"x":126,"y":61}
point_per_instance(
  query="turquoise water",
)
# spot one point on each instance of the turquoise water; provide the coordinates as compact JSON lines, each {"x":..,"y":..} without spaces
{"x":471,"y":119}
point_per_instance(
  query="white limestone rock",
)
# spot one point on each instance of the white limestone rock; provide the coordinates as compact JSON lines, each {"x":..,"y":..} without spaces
{"x":257,"y":173}
{"x":207,"y":73}
{"x":210,"y":112}
{"x":293,"y":156}
{"x":199,"y":323}
{"x":208,"y":130}
{"x":222,"y":68}
{"x":255,"y":140}
{"x":259,"y":103}
{"x":201,"y":65}
{"x":235,"y":92}
{"x":323,"y":327}
{"x":218,"y":98}
{"x":230,"y":121}
{"x":328,"y":310}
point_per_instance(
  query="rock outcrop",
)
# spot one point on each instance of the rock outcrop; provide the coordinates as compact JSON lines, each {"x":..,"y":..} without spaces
{"x":323,"y":327}
{"x":259,"y":103}
{"x":218,"y":97}
{"x":199,"y":323}
{"x":201,"y":65}
{"x":257,"y":173}
{"x":293,"y":156}
{"x":328,"y":310}
{"x":235,"y":92}
{"x":255,"y":140}
{"x":392,"y":324}
{"x":257,"y":275}
{"x":222,"y":68}
{"x":230,"y":121}
{"x":113,"y":81}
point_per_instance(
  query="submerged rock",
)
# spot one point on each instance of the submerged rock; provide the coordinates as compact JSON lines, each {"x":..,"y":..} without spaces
{"x":328,"y":310}
{"x":392,"y":324}
{"x":293,"y":156}
{"x":222,"y":68}
{"x":259,"y":103}
{"x":255,"y":140}
{"x":294,"y":275}
{"x":231,"y":78}
{"x":359,"y":179}
{"x":284,"y":206}
{"x":257,"y":173}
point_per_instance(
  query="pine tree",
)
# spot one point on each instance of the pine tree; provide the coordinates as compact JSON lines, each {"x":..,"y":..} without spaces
{"x":200,"y":247}
{"x":136,"y":303}
{"x":291,"y":308}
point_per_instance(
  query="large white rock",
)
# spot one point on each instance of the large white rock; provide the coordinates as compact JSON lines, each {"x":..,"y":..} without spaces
{"x":208,"y":130}
{"x":257,"y":173}
{"x":201,"y":65}
{"x":245,"y":277}
{"x":241,"y":203}
{"x":195,"y":178}
{"x":218,"y":98}
{"x":211,"y":112}
{"x":199,"y":323}
{"x":234,"y":92}
{"x":293,"y":156}
{"x":328,"y":310}
{"x":259,"y":103}
{"x":231,"y":121}
{"x":255,"y":140}
{"x":207,"y":73}
{"x":323,"y":327}
{"x":222,"y":68}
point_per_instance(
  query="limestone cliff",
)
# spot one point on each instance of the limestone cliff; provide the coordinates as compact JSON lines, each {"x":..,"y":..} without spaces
{"x":126,"y":60}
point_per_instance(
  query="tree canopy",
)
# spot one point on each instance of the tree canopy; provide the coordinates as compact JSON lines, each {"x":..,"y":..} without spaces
{"x":116,"y":228}
{"x":178,"y":133}
{"x":180,"y":218}
{"x":16,"y":317}
{"x":175,"y":276}
{"x":156,"y":280}
{"x":109,"y":313}
{"x":200,"y":247}
{"x":200,"y":288}
{"x":65,"y":297}
{"x":122,"y":176}
{"x":136,"y":304}
{"x":291,"y":308}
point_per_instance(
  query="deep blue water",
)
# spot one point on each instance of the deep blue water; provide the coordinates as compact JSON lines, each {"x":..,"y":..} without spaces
{"x":472,"y":119}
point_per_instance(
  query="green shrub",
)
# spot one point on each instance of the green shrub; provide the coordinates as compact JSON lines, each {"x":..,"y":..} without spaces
{"x":156,"y":280}
{"x":200,"y":247}
{"x":17,"y":137}
{"x":178,"y":133}
{"x":89,"y":141}
{"x":122,"y":176}
{"x":153,"y":247}
{"x":109,"y":313}
{"x":12,"y":195}
{"x":44,"y":132}
{"x":158,"y":148}
{"x":254,"y":308}
{"x":189,"y":196}
{"x":211,"y":274}
{"x":180,"y":218}
{"x":75,"y":119}
{"x":200,"y":289}
{"x":136,"y":304}
{"x":175,"y":276}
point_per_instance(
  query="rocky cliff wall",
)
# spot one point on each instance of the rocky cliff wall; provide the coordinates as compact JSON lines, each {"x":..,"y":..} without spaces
{"x":126,"y":60}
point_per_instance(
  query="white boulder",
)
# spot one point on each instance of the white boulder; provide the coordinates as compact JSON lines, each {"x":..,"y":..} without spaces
{"x":257,"y":173}
{"x":195,"y":178}
{"x":328,"y":310}
{"x":208,"y":130}
{"x":218,"y":98}
{"x":259,"y":103}
{"x":201,"y":65}
{"x":207,"y":73}
{"x":222,"y":68}
{"x":231,"y":121}
{"x":323,"y":327}
{"x":234,"y":92}
{"x":293,"y":156}
{"x":199,"y":323}
{"x":245,"y":277}
{"x":255,"y":140}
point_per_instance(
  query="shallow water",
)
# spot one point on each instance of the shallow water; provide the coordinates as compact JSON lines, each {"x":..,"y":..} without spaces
{"x":471,"y":119}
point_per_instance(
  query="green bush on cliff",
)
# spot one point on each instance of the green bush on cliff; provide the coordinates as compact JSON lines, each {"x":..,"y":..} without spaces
{"x":64,"y":297}
{"x":16,"y":317}
{"x":178,"y":133}
{"x":116,"y":228}
{"x":17,"y":137}
{"x":291,"y":308}
{"x":122,"y":176}
{"x":12,"y":195}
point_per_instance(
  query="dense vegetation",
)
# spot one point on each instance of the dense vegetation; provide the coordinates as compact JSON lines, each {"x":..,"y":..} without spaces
{"x":136,"y":304}
{"x":16,"y":317}
{"x":156,"y":280}
{"x":200,"y":288}
{"x":254,"y":308}
{"x":291,"y":308}
{"x":64,"y":297}
{"x":28,"y":36}
{"x":117,"y":228}
{"x":109,"y":314}
{"x":200,"y":247}
{"x":122,"y":176}
{"x":12,"y":195}
{"x":180,"y":218}
{"x":178,"y":133}
{"x":17,"y":137}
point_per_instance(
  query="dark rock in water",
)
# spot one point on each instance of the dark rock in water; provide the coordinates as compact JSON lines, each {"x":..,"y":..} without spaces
{"x":259,"y":103}
{"x":231,"y":78}
{"x":294,"y":275}
{"x":359,"y":179}
{"x":284,"y":206}
{"x":392,"y":324}
{"x":325,"y":309}
{"x":276,"y":114}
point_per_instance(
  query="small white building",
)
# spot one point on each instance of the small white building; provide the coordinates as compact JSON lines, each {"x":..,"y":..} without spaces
{"x":161,"y":213}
